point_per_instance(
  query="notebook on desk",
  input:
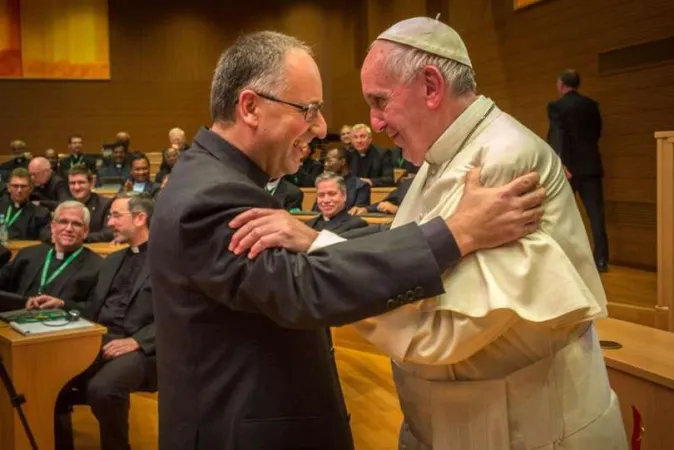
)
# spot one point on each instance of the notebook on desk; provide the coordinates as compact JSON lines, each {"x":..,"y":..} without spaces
{"x":30,"y":321}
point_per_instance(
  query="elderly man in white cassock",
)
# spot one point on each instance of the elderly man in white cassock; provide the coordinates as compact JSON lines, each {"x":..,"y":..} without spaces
{"x":507,"y":358}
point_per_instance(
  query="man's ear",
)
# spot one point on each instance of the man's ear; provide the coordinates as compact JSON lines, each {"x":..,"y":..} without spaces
{"x":248,"y":107}
{"x":434,"y":87}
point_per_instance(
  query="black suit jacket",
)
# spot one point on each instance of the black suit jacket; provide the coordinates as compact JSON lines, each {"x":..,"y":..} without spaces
{"x":306,"y":174}
{"x":339,"y":224}
{"x":376,"y":165}
{"x":243,"y":353}
{"x":51,"y":194}
{"x":99,"y":207}
{"x":31,"y":225}
{"x":399,"y":161}
{"x":69,"y":162}
{"x":396,"y":197}
{"x":575,"y":129}
{"x":7,"y":167}
{"x":139,"y":317}
{"x":74,"y":285}
{"x":288,"y":195}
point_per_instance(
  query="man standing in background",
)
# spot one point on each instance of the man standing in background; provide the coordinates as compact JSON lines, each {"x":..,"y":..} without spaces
{"x":575,"y":129}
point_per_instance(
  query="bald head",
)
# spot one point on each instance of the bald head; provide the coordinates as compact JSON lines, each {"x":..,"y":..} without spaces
{"x":40,"y":170}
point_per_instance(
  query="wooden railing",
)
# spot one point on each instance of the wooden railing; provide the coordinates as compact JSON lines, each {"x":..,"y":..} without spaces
{"x":664,"y":309}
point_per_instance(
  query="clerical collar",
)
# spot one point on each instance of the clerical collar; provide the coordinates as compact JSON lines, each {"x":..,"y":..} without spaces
{"x":452,"y":140}
{"x":140,"y":249}
{"x":230,"y":155}
{"x":19,"y":205}
{"x":62,"y":255}
{"x":272,"y":185}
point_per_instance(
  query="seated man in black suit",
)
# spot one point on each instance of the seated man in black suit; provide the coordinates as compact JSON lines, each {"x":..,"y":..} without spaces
{"x":331,"y":200}
{"x":391,"y":202}
{"x":122,"y":302}
{"x":357,"y":191}
{"x":140,"y":177}
{"x":23,"y":220}
{"x":287,"y":194}
{"x":48,"y":188}
{"x":62,"y":275}
{"x":308,"y":171}
{"x":116,"y":166}
{"x":19,"y":150}
{"x":170,"y":158}
{"x":369,"y":163}
{"x":77,"y":156}
{"x":80,"y":182}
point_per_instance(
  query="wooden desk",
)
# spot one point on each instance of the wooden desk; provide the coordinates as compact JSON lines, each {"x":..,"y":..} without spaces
{"x":642,"y":375}
{"x":377,"y":194}
{"x":39,"y":367}
{"x":101,"y":248}
{"x":371,"y":220}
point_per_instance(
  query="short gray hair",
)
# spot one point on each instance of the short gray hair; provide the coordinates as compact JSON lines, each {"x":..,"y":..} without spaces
{"x":73,"y":204}
{"x":255,"y":61}
{"x":139,"y":202}
{"x":329,"y":176}
{"x":404,"y":62}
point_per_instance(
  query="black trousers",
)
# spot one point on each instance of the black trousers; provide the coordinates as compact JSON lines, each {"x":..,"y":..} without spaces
{"x":106,"y":387}
{"x":591,"y":194}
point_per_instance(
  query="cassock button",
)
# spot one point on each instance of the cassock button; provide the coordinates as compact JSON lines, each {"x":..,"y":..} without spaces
{"x":419,"y":291}
{"x":390,"y":304}
{"x":411,"y":295}
{"x":401,"y":299}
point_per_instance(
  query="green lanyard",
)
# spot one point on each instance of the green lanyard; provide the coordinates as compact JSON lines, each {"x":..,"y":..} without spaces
{"x":47,"y":262}
{"x":11,"y":219}
{"x":76,"y":161}
{"x":401,"y":161}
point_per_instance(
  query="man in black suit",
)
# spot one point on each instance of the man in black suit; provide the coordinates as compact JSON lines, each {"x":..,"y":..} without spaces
{"x":575,"y":129}
{"x":243,"y":355}
{"x":309,"y":169}
{"x":62,"y":275}
{"x":331,"y":201}
{"x":139,"y":180}
{"x":77,"y":156}
{"x":122,"y":302}
{"x":23,"y":220}
{"x":19,"y":150}
{"x":369,"y":163}
{"x":391,"y":202}
{"x":287,"y":194}
{"x":80,"y":182}
{"x":48,"y":188}
{"x":357,"y":191}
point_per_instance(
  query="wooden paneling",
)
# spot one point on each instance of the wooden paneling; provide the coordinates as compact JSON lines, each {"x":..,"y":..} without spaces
{"x":517,"y":56}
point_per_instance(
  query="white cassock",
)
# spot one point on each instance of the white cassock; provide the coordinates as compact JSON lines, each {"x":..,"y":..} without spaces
{"x":507,"y":358}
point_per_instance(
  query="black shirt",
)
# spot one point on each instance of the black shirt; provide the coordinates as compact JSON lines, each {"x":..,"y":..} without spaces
{"x":117,"y":302}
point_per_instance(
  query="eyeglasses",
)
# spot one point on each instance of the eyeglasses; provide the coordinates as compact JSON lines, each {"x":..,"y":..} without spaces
{"x":64,"y":223}
{"x":310,"y":111}
{"x":118,"y":216}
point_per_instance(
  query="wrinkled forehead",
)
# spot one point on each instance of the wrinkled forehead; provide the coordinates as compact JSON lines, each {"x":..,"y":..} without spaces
{"x":373,"y":73}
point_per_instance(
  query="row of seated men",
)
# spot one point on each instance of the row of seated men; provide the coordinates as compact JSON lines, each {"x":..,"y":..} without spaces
{"x":115,"y":292}
{"x":31,"y":195}
{"x":357,"y":192}
{"x":373,"y":166}
{"x":118,"y":165}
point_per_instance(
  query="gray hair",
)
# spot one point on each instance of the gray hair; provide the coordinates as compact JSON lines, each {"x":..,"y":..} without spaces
{"x":329,"y":176}
{"x":139,"y":202}
{"x":404,"y":62}
{"x":255,"y":61}
{"x":73,"y":204}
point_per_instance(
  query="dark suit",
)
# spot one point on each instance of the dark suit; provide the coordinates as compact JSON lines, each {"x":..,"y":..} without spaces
{"x":399,"y":161}
{"x":243,"y":355}
{"x":288,"y":195}
{"x":575,"y":129}
{"x":338,"y":224}
{"x":375,"y":165}
{"x":71,"y":161}
{"x":74,"y":285}
{"x":396,"y":197}
{"x":30,"y":224}
{"x":7,"y":167}
{"x":52,"y":193}
{"x":150,"y":187}
{"x":107,"y":384}
{"x":306,"y":174}
{"x":99,"y":207}
{"x":5,"y":256}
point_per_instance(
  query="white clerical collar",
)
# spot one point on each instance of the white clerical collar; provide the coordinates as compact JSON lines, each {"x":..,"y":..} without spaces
{"x":59,"y":256}
{"x":449,"y":143}
{"x":135,"y":250}
{"x":273,"y":184}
